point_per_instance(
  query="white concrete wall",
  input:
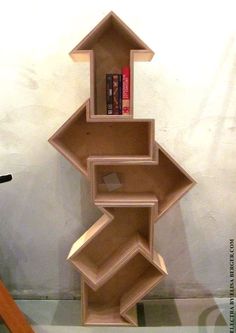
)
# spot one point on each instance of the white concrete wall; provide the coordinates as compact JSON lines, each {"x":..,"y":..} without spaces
{"x":190,"y":90}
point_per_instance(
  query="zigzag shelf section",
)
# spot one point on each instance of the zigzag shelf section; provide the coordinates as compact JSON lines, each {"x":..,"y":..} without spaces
{"x":116,"y":256}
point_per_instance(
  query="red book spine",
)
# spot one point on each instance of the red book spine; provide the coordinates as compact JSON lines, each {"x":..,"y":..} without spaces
{"x":126,"y":91}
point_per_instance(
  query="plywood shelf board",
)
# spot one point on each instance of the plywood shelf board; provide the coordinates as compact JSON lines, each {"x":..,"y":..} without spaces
{"x":113,"y":45}
{"x":121,"y":139}
{"x":105,"y":316}
{"x":131,"y":316}
{"x":116,"y":260}
{"x":109,"y":22}
{"x":129,"y":278}
{"x":165,"y":181}
{"x":148,"y":280}
{"x":98,"y":254}
{"x":119,"y":198}
{"x":91,"y":233}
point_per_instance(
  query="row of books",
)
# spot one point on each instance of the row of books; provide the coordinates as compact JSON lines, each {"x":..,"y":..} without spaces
{"x":118,"y":92}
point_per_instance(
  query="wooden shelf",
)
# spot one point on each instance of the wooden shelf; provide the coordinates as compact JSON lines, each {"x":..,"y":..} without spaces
{"x":78,"y":139}
{"x":112,"y":303}
{"x":133,"y":227}
{"x":165,"y":182}
{"x":112,"y":45}
{"x":125,"y":199}
{"x":134,"y":181}
{"x":106,"y":316}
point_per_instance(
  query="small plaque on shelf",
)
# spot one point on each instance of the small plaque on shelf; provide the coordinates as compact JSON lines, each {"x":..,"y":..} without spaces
{"x":112,"y":181}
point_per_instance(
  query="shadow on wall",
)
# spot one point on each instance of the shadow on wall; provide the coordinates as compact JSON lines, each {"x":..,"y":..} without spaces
{"x":74,"y":196}
{"x":178,"y":303}
{"x":172,"y":242}
{"x":89,"y":212}
{"x":12,"y":255}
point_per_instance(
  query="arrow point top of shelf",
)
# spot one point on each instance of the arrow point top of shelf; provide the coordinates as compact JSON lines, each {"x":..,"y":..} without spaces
{"x":112,"y":24}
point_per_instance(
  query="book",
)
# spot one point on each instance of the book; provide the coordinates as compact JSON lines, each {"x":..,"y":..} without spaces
{"x":109,"y":93}
{"x":120,"y":86}
{"x":115,"y":94}
{"x":126,"y":90}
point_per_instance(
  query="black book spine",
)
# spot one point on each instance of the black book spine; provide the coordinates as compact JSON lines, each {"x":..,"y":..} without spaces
{"x":109,"y":93}
{"x":120,"y":84}
{"x":115,"y":94}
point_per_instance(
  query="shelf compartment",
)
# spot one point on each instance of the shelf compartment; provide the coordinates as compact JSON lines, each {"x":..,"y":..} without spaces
{"x":126,"y":199}
{"x":79,"y":139}
{"x":165,"y":182}
{"x":114,"y":301}
{"x":109,"y":46}
{"x":98,"y":254}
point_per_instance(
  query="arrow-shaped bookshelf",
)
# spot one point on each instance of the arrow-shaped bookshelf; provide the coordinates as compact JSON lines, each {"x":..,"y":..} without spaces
{"x":110,"y":45}
{"x":134,"y":181}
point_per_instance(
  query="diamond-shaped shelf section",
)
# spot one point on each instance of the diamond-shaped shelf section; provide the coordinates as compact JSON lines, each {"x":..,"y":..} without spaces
{"x":117,"y":297}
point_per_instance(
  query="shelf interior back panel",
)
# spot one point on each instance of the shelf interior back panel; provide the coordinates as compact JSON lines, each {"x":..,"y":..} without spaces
{"x":165,"y":180}
{"x":111,"y":47}
{"x":128,"y":224}
{"x":80,"y":139}
{"x":104,"y":304}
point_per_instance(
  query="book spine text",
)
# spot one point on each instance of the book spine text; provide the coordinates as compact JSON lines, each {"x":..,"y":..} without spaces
{"x":126,"y":91}
{"x":115,"y":94}
{"x":120,"y":85}
{"x":109,"y":93}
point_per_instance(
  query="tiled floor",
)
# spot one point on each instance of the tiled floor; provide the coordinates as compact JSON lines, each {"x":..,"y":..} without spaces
{"x":204,"y":315}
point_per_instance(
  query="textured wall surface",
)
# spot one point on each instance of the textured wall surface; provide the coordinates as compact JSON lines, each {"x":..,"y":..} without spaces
{"x":189,"y":88}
